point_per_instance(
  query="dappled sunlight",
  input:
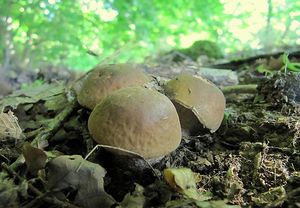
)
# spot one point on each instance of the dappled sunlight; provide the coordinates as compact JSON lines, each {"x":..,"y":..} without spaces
{"x":97,"y":7}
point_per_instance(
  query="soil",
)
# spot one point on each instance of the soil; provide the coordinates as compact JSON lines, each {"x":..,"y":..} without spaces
{"x":252,"y":160}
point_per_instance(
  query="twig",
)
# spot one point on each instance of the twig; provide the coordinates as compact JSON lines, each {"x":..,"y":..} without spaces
{"x":51,"y":129}
{"x":52,"y":200}
{"x":250,"y":88}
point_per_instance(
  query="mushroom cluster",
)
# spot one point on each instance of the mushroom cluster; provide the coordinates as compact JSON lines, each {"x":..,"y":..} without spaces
{"x":128,"y":115}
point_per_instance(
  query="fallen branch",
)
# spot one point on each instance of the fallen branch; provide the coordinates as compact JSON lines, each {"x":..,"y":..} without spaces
{"x":250,"y":88}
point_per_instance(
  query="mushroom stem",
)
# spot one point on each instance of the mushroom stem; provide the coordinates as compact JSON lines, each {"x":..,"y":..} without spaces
{"x":248,"y":88}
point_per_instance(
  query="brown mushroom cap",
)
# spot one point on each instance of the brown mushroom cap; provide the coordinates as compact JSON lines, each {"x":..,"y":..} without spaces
{"x":104,"y":79}
{"x":136,"y":119}
{"x":196,"y":94}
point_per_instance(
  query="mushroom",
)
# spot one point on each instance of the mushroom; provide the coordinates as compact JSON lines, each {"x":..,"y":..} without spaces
{"x":136,"y":119}
{"x":104,"y":79}
{"x":196,"y":100}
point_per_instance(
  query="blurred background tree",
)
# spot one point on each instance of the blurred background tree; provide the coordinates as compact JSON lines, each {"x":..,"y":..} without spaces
{"x":78,"y":34}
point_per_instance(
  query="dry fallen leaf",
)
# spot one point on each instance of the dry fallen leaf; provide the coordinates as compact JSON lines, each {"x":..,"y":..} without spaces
{"x":183,"y":180}
{"x":72,"y":171}
{"x":9,"y":126}
{"x":32,"y":94}
{"x":135,"y":199}
{"x":8,"y":192}
{"x":200,"y":204}
{"x":35,"y":158}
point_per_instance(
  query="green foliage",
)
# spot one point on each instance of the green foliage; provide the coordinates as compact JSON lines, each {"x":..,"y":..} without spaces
{"x":263,"y":70}
{"x":287,"y":66}
{"x":33,"y":32}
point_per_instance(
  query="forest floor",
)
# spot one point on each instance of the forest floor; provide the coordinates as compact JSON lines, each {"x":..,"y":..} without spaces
{"x":252,"y":160}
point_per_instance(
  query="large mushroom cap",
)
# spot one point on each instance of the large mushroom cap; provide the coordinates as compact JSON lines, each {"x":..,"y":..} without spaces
{"x":104,"y":79}
{"x":196,"y":95}
{"x":136,"y":119}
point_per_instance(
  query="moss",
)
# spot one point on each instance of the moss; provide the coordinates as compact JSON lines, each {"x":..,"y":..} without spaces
{"x":203,"y":47}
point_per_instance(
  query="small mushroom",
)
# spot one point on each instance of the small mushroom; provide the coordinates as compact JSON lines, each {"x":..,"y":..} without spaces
{"x":104,"y":79}
{"x":136,"y":119}
{"x":196,"y":100}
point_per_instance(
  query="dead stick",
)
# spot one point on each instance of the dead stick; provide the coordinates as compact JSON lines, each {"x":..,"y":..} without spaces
{"x":249,"y":88}
{"x":51,"y":200}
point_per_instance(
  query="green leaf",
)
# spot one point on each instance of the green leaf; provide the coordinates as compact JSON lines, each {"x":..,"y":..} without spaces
{"x":261,"y":69}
